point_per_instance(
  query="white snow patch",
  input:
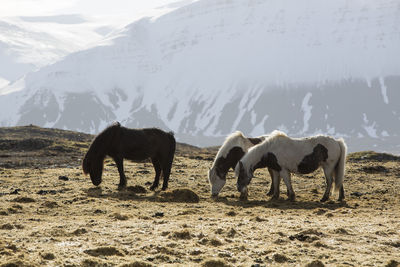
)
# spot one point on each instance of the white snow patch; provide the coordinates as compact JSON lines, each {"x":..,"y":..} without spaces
{"x":330,"y":130}
{"x":283,"y":128}
{"x":259,"y":129}
{"x":370,"y":129}
{"x":384,"y":133}
{"x":3,"y":82}
{"x":253,"y":117}
{"x":306,"y":108}
{"x":383,"y":90}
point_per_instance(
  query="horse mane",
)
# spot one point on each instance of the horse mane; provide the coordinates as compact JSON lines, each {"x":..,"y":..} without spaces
{"x":97,"y":149}
{"x":234,"y":139}
{"x":256,"y":152}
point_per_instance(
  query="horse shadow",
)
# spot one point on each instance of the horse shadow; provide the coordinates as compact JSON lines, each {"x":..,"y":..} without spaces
{"x":126,"y":194}
{"x":284,"y":204}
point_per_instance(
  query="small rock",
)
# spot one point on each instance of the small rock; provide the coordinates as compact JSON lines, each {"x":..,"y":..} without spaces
{"x":158,"y":214}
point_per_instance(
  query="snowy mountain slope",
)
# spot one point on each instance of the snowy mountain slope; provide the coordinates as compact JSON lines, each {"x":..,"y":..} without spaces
{"x":28,"y":43}
{"x":211,"y":67}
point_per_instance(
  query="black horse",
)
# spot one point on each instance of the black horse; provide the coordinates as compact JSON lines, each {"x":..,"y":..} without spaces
{"x":137,"y":145}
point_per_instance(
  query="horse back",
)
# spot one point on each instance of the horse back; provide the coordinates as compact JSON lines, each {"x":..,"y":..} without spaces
{"x":141,"y":144}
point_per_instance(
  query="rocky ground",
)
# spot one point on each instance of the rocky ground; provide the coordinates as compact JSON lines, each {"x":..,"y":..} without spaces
{"x":51,"y":214}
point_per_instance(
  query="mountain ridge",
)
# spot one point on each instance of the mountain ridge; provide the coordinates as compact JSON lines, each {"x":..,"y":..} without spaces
{"x":212,"y":67}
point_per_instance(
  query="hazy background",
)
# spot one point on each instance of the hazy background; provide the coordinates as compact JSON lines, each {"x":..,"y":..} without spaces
{"x":205,"y":68}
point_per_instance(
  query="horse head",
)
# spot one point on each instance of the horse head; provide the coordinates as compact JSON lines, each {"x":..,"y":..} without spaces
{"x":93,"y":166}
{"x":217,"y":180}
{"x":243,"y":178}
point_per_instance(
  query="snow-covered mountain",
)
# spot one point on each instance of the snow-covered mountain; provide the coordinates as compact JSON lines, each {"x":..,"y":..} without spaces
{"x":28,"y":43}
{"x":215,"y":66}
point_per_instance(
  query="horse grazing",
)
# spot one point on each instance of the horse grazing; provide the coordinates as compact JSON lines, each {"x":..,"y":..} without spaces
{"x":136,"y":145}
{"x":285,"y":155}
{"x":231,"y":151}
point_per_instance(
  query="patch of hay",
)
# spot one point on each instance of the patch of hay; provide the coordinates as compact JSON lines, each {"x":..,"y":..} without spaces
{"x":214,"y":263}
{"x":181,"y":195}
{"x":185,"y":234}
{"x":104,"y":251}
{"x":119,"y":216}
{"x":137,"y":264}
{"x":280,"y":258}
{"x":50,"y":204}
{"x":137,"y":189}
{"x":316,"y":263}
{"x":79,"y":231}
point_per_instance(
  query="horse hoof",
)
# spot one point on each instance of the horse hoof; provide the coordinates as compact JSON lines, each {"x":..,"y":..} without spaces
{"x":270,"y":193}
{"x":324,"y":199}
{"x":153,"y":187}
{"x":164,"y":188}
{"x":121,"y":187}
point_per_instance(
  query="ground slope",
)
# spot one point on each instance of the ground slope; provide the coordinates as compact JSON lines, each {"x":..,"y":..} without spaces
{"x":51,"y":214}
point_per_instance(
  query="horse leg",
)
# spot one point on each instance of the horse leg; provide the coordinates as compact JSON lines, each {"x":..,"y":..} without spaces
{"x":157,"y":168}
{"x":271,"y":189}
{"x":329,"y":179}
{"x":276,"y":182}
{"x":341,"y":193}
{"x":122,"y":179}
{"x":166,"y":169}
{"x":287,"y":179}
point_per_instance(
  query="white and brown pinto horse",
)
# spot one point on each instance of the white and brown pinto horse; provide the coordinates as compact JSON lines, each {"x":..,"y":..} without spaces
{"x":231,"y":151}
{"x":285,"y":155}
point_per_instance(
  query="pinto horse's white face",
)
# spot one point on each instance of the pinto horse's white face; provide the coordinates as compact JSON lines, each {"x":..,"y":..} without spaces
{"x":215,"y":181}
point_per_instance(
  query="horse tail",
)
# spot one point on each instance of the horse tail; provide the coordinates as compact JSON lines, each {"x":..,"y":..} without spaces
{"x":172,"y":148}
{"x":340,"y":166}
{"x":85,"y":165}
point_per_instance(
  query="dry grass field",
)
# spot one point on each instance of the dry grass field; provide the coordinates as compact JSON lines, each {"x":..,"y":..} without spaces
{"x":52,"y":215}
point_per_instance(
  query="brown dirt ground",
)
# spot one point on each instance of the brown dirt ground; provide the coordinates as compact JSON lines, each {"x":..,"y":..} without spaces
{"x":51,"y":214}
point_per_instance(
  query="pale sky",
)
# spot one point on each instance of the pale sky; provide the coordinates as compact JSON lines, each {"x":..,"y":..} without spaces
{"x":118,"y":10}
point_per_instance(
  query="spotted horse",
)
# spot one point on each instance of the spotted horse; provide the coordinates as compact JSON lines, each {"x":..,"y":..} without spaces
{"x":231,"y":151}
{"x":284,"y":155}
